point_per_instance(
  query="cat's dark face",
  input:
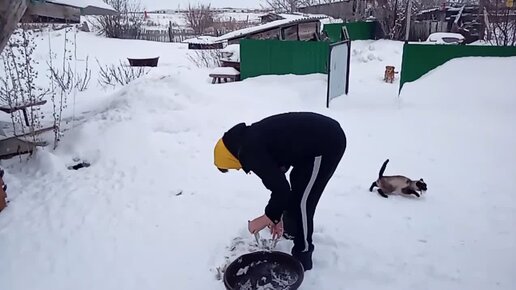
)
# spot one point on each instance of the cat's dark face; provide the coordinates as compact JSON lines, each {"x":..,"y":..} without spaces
{"x":421,"y":185}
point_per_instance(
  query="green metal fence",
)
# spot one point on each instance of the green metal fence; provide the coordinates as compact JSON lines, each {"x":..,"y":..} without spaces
{"x":357,"y":30}
{"x":275,"y":57}
{"x":418,"y":59}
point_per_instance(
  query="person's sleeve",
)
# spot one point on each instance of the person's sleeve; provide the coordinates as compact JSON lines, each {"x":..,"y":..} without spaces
{"x":274,"y":180}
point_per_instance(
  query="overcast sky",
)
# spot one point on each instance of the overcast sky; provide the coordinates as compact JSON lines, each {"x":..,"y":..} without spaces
{"x":172,"y":4}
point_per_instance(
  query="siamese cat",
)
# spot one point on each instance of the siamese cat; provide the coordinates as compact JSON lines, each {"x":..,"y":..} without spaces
{"x":397,"y":184}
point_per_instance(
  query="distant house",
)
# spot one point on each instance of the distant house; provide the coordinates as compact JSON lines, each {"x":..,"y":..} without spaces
{"x":465,"y":19}
{"x":65,"y":11}
{"x":346,"y":10}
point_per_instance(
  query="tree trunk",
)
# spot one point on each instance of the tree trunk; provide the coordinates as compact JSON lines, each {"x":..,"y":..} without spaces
{"x":11,"y":11}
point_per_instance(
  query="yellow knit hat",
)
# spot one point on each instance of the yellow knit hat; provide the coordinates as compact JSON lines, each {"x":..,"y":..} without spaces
{"x":224,"y":159}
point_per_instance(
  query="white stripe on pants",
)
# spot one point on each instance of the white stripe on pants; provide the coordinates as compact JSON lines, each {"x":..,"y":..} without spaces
{"x":308,"y":189}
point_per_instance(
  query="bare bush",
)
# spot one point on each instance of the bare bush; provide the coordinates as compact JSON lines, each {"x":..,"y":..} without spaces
{"x":199,"y":18}
{"x":61,"y":81}
{"x":500,"y":23}
{"x":290,"y":6}
{"x":64,"y":79}
{"x":391,"y":16}
{"x":206,"y":58}
{"x":127,"y":23}
{"x":18,"y":83}
{"x":284,"y":5}
{"x":82,"y":80}
{"x":113,"y":75}
{"x":223,"y":26}
{"x":68,"y":80}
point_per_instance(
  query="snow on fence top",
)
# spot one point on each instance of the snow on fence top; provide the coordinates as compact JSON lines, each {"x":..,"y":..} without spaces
{"x":202,"y":40}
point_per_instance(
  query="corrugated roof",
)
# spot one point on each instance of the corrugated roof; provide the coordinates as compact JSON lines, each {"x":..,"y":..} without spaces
{"x":289,"y":19}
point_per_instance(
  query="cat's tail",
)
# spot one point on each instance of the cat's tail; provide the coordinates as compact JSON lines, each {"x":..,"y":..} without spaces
{"x":382,"y":170}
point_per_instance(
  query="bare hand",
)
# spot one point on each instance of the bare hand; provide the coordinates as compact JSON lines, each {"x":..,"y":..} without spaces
{"x":277,"y":230}
{"x":259,"y":224}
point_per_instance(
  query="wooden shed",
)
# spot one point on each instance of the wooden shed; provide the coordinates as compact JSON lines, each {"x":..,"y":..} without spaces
{"x":465,"y":19}
{"x":291,"y":27}
{"x":65,"y":11}
{"x":297,"y":26}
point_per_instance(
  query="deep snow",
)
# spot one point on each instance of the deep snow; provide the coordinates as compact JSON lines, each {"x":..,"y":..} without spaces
{"x":152,"y":212}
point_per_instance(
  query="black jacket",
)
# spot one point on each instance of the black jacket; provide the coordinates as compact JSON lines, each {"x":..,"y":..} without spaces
{"x":271,"y":146}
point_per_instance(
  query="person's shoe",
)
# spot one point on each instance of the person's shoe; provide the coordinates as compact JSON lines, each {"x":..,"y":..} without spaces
{"x":305,"y":258}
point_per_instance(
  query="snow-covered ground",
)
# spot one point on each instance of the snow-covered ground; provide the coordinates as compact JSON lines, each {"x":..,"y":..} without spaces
{"x":152,"y":212}
{"x":178,"y":20}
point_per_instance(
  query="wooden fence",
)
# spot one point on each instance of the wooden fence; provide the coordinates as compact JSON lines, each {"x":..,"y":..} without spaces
{"x":165,"y":35}
{"x":155,"y":35}
{"x":420,"y":30}
{"x":179,"y":35}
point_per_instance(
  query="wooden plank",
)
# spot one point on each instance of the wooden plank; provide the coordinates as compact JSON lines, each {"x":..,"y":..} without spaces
{"x":13,"y":146}
{"x":11,"y":11}
{"x":36,"y":132}
{"x":21,"y":107}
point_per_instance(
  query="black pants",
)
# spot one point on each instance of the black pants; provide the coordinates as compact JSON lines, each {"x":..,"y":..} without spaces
{"x":308,"y":182}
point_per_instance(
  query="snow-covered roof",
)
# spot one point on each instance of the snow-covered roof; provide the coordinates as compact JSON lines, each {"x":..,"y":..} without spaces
{"x":447,"y":8}
{"x":88,"y":7}
{"x":288,"y":18}
{"x":428,"y":10}
{"x":201,"y":40}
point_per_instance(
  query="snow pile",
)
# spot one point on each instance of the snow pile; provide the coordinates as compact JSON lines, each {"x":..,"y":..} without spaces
{"x":231,"y":52}
{"x":454,"y":86}
{"x":374,"y":51}
{"x":225,"y":71}
{"x":152,"y":212}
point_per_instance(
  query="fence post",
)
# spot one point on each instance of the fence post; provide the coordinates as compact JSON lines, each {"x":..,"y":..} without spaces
{"x":170,"y":35}
{"x":409,"y":13}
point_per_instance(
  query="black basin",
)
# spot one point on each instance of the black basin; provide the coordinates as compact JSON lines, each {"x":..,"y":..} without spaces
{"x":153,"y":62}
{"x":265,"y":271}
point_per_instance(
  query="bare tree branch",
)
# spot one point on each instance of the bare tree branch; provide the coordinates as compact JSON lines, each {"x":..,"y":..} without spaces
{"x":126,"y":24}
{"x":206,"y":58}
{"x":200,"y":17}
{"x":290,"y":6}
{"x":501,"y":24}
